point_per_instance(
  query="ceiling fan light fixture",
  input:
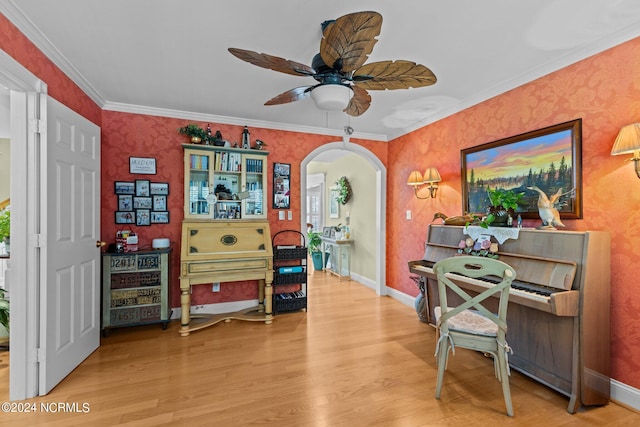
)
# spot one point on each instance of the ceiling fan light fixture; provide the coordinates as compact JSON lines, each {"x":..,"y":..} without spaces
{"x":332,"y":97}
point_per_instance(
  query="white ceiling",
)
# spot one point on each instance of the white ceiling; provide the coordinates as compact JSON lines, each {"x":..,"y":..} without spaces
{"x":170,"y":58}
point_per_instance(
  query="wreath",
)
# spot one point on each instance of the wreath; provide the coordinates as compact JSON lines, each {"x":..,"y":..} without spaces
{"x":344,"y":190}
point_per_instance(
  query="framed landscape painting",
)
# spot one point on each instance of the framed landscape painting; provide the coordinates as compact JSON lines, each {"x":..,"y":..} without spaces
{"x":549,"y":159}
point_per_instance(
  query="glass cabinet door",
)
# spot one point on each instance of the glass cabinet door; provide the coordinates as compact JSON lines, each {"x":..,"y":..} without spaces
{"x":227,"y":182}
{"x":255,"y":179}
{"x":224,"y":184}
{"x":199,"y":178}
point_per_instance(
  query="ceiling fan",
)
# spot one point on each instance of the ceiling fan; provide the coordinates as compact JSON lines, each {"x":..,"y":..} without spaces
{"x":339,"y":67}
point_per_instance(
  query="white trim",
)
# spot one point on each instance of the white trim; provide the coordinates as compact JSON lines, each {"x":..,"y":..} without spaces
{"x":212,"y":118}
{"x":381,"y":202}
{"x":622,"y":36}
{"x":405,"y":299}
{"x":21,"y":381}
{"x":12,"y":12}
{"x":15,"y":77}
{"x":625,"y":395}
{"x":365,"y":281}
{"x":24,"y":87}
{"x":15,"y":15}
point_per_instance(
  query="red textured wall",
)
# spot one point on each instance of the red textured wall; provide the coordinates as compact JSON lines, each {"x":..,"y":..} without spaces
{"x":604,"y":91}
{"x":125,"y":135}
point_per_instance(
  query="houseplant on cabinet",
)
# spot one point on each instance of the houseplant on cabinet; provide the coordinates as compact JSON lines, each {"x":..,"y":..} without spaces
{"x":193,"y":131}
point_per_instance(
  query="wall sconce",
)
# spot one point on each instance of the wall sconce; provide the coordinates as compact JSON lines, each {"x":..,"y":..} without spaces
{"x":628,"y":141}
{"x":431,"y":177}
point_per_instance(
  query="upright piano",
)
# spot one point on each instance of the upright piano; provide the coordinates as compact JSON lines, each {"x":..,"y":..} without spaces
{"x":559,"y":305}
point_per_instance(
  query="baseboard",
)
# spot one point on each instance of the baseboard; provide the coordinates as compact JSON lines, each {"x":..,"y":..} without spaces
{"x":625,"y":395}
{"x":405,"y":299}
{"x":371,"y":284}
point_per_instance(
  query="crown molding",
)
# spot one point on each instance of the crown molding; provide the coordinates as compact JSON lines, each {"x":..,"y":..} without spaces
{"x":575,"y":55}
{"x":10,"y":10}
{"x":190,"y":115}
{"x":13,"y":13}
{"x":26,"y":26}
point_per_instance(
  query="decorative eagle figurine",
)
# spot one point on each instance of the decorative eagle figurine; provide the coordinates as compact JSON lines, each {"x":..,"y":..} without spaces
{"x":546,"y":208}
{"x":454,"y":220}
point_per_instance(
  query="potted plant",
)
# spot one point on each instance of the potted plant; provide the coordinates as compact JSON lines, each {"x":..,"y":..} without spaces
{"x":4,"y":310}
{"x":315,"y":242}
{"x":193,"y":131}
{"x":5,"y":226}
{"x":503,"y":205}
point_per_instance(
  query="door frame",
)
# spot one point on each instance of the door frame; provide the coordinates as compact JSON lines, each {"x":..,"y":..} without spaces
{"x":25,"y":89}
{"x":381,"y":202}
{"x":318,"y":179}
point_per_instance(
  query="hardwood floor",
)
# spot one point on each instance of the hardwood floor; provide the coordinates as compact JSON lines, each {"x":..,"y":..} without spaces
{"x":354,"y":359}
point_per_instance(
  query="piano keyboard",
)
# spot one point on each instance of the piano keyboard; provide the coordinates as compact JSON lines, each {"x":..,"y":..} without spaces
{"x":518,"y":289}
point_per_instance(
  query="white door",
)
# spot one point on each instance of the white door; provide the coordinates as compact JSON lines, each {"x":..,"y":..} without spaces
{"x":70,"y":260}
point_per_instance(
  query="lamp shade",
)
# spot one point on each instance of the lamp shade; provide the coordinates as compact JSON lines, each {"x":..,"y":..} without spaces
{"x":415,"y":178}
{"x":431,"y":175}
{"x":628,"y":140}
{"x":332,"y":97}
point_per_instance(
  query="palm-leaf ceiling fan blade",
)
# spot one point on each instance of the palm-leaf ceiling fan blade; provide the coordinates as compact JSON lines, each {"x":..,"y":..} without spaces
{"x":349,"y":40}
{"x":291,"y":95}
{"x":359,"y":103}
{"x":272,"y":62}
{"x":393,"y":75}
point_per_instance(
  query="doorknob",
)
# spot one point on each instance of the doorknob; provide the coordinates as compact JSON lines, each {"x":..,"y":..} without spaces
{"x":100,"y":244}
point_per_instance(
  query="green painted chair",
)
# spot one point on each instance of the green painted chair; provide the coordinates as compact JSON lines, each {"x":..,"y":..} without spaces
{"x":470,"y":325}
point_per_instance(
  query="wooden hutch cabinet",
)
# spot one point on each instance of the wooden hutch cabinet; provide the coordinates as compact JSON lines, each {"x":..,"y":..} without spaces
{"x":225,"y":232}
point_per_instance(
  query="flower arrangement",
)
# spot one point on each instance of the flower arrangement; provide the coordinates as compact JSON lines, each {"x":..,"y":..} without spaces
{"x":344,"y":190}
{"x":481,"y":247}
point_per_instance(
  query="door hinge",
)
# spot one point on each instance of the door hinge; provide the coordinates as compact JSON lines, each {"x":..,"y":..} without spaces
{"x":39,"y":355}
{"x":38,"y":240}
{"x":36,"y":125}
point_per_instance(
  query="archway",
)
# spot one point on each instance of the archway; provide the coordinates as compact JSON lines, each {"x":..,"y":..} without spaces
{"x":380,"y":210}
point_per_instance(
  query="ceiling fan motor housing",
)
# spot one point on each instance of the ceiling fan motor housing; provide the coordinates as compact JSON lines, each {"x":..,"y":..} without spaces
{"x":325,"y":74}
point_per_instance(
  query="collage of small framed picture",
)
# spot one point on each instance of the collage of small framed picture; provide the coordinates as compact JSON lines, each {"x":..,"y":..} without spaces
{"x":142,"y":202}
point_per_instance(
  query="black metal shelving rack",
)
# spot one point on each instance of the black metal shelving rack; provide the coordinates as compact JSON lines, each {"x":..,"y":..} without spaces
{"x":290,"y":270}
